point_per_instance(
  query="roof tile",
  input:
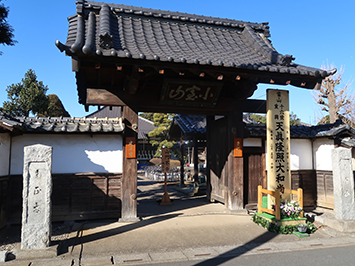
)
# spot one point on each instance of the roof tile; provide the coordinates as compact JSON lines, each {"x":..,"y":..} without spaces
{"x":187,"y":38}
{"x":60,"y":124}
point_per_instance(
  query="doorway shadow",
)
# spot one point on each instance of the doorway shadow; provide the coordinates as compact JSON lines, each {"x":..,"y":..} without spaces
{"x":150,"y":193}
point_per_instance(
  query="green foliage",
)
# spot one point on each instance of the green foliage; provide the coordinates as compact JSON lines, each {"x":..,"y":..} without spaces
{"x":283,"y":229}
{"x":324,"y":120}
{"x":26,"y":96}
{"x":6,"y":31}
{"x":149,"y":116}
{"x":162,"y":122}
{"x":258,"y":118}
{"x":294,"y":120}
{"x":55,"y":107}
{"x":311,"y":228}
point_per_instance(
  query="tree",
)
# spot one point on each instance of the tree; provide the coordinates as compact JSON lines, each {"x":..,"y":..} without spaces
{"x":337,"y":102}
{"x":258,"y":118}
{"x":162,"y":122}
{"x":26,"y":96}
{"x":149,"y":116}
{"x":55,"y":107}
{"x":294,"y":120}
{"x":6,"y":31}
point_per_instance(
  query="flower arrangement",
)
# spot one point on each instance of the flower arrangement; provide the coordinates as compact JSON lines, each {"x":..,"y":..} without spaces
{"x":283,"y":229}
{"x":289,"y":209}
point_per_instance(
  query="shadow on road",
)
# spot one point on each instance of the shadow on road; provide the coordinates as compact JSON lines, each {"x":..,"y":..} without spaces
{"x":252,"y":244}
{"x":79,"y":239}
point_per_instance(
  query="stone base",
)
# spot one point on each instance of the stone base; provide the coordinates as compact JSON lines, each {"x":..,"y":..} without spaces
{"x":3,"y":255}
{"x":272,"y":219}
{"x":300,"y":235}
{"x":346,"y":226}
{"x":23,"y":254}
{"x":129,"y":220}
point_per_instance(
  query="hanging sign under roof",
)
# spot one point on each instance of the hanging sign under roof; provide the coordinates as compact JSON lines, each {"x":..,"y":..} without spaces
{"x":190,"y":92}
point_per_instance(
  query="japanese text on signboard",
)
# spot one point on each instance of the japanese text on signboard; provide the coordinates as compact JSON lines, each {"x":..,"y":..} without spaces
{"x":190,"y":93}
{"x":165,"y":160}
{"x":278,"y":142}
{"x":238,"y":147}
{"x":131,"y":147}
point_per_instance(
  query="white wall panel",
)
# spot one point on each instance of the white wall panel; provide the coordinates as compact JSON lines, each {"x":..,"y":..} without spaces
{"x":301,"y":154}
{"x":322,"y":153}
{"x":80,"y":153}
{"x":4,"y":153}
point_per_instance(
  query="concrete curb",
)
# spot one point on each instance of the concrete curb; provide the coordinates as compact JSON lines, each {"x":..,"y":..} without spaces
{"x":205,"y":253}
{"x":22,"y":254}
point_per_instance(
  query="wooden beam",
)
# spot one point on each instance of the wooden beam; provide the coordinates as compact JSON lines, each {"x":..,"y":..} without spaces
{"x":102,"y":97}
{"x":195,"y":156}
{"x":75,"y":65}
{"x":253,"y":106}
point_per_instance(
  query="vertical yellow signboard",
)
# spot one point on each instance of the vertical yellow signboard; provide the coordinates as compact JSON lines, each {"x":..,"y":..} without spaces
{"x":278,"y":143}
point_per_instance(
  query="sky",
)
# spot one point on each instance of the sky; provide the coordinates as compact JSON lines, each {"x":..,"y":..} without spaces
{"x":315,"y":32}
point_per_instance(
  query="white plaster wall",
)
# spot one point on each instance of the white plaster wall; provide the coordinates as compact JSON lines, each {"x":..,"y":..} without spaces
{"x":80,"y":153}
{"x":4,"y":153}
{"x":301,"y":154}
{"x":252,"y":142}
{"x":322,"y":153}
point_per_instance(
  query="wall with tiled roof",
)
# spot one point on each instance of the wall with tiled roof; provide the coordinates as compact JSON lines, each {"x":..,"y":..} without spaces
{"x":80,"y":145}
{"x":60,"y":124}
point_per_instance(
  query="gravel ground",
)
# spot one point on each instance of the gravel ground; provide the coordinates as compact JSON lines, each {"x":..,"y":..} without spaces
{"x":10,"y":236}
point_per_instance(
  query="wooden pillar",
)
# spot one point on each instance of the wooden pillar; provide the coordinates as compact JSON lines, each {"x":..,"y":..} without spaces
{"x":129,"y":176}
{"x":182,"y":162}
{"x":209,"y":120}
{"x":235,"y":182}
{"x":195,"y":156}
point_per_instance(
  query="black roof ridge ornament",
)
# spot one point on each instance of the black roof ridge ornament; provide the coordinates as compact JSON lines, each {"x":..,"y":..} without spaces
{"x":105,"y":31}
{"x":285,"y":60}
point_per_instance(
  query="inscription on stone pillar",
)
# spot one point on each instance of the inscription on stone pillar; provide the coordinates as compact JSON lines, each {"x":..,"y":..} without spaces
{"x":37,"y":189}
{"x":343,"y":182}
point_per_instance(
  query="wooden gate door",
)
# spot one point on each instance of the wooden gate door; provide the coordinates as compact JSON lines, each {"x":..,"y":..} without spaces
{"x":217,"y":153}
{"x":253,"y":176}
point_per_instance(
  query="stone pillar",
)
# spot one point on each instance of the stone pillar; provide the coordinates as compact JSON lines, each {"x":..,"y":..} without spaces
{"x":37,"y":190}
{"x":343,"y":182}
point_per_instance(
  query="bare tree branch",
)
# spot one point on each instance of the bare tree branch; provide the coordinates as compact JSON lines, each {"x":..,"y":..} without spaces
{"x":339,"y":103}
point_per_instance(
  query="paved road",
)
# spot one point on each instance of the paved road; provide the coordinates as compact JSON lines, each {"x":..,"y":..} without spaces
{"x":343,"y":255}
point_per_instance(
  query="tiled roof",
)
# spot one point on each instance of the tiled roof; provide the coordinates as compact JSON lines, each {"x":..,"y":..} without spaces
{"x":60,"y":124}
{"x":192,"y":124}
{"x":144,"y":125}
{"x":350,"y":142}
{"x":8,"y":123}
{"x":109,"y":112}
{"x":120,"y":31}
{"x":327,"y":130}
